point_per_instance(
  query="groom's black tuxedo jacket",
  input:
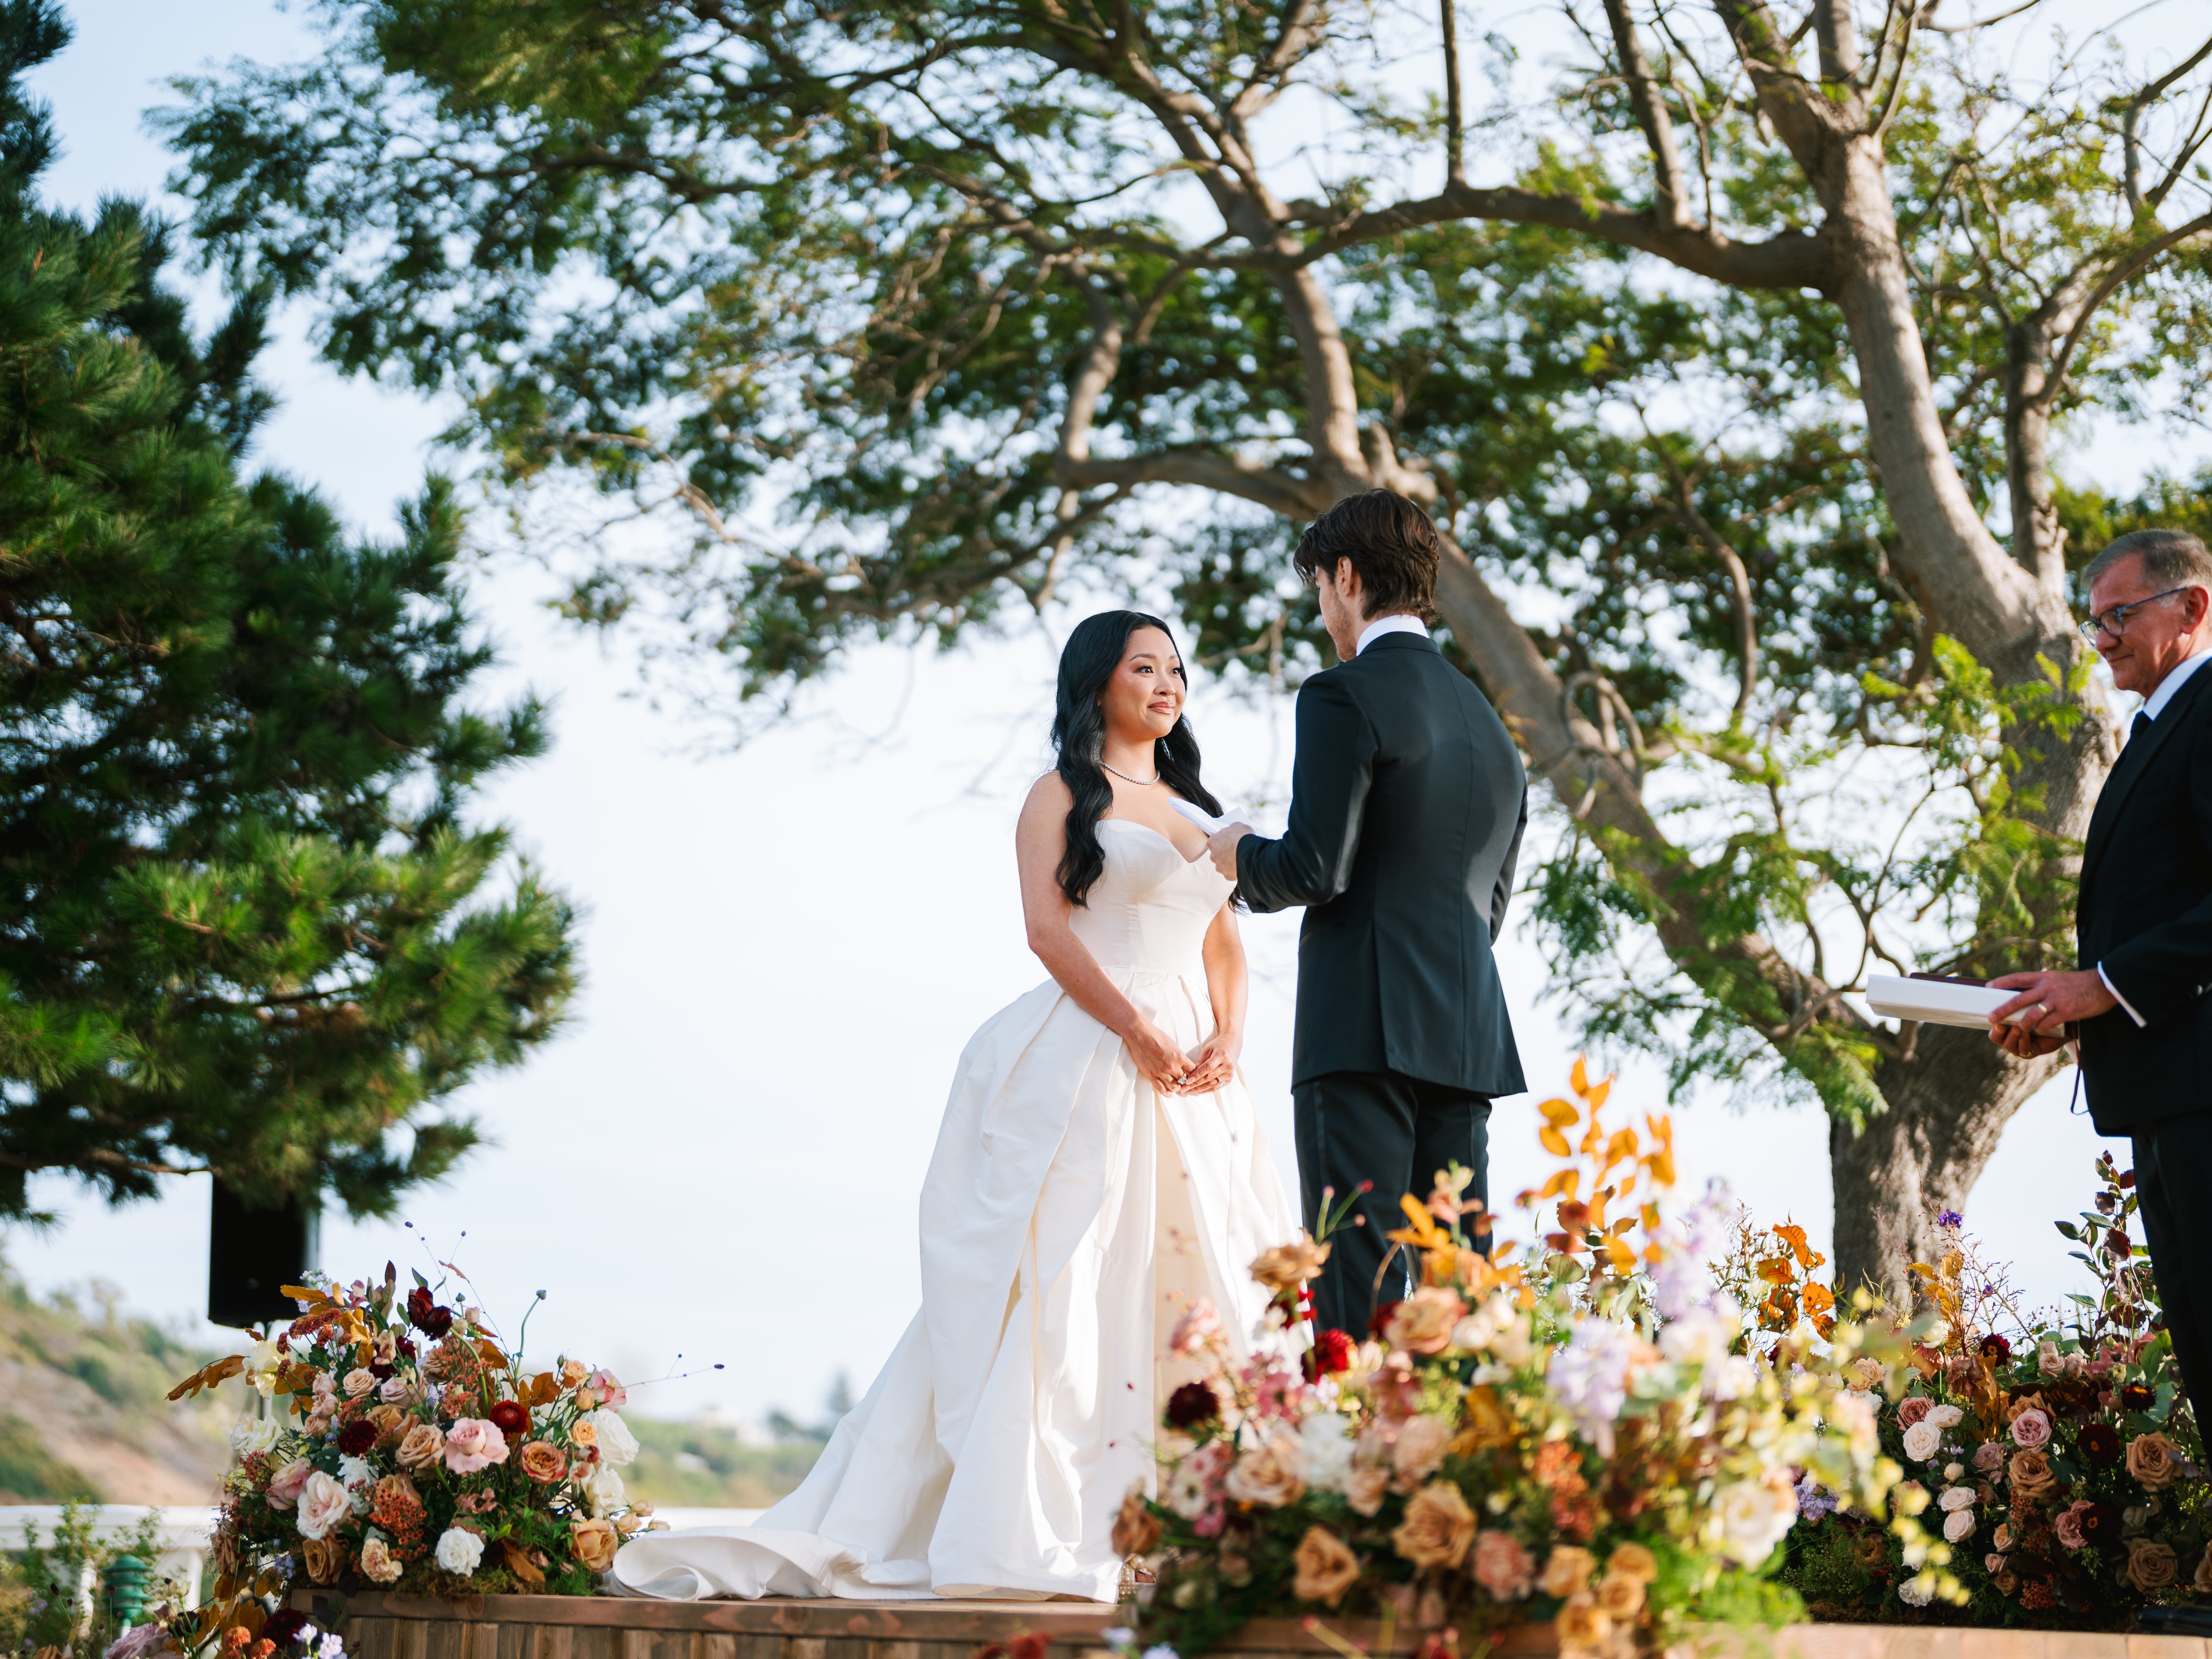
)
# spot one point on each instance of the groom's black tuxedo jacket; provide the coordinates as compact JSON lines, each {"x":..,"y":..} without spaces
{"x":1407,"y":803}
{"x":2144,"y":914}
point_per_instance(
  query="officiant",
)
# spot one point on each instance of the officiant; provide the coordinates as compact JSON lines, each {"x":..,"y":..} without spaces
{"x":2138,"y":1002}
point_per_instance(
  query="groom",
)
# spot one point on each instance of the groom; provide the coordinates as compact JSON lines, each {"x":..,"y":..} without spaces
{"x":1407,"y":802}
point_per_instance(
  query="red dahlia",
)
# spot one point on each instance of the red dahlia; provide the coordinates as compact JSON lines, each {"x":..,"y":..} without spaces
{"x":1996,"y":1347}
{"x":509,"y":1417}
{"x":2134,"y":1397}
{"x":1192,"y":1404}
{"x":1330,"y":1355}
{"x":356,"y":1437}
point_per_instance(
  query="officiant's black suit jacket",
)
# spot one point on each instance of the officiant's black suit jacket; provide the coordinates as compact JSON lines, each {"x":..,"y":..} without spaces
{"x":1407,"y":804}
{"x":2144,"y":914}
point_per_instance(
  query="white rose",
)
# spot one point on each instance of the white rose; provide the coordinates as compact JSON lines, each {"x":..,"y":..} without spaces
{"x":1511,"y":1344}
{"x":1473,"y":1333}
{"x":1731,"y":1379}
{"x":618,"y":1445}
{"x":458,"y":1551}
{"x":1700,"y":1337}
{"x":1945,"y":1417}
{"x":250,"y":1435}
{"x":323,"y":1502}
{"x":1326,"y":1448}
{"x":603,"y":1492}
{"x":2049,"y":1360}
{"x":1752,"y":1518}
{"x":1956,"y":1498}
{"x":1923,"y":1440}
{"x":1958,"y":1526}
{"x":1916,"y":1592}
{"x":1188,"y":1493}
{"x":358,"y":1477}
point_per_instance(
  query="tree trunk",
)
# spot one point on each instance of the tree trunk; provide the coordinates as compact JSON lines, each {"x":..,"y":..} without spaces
{"x":1947,"y":1107}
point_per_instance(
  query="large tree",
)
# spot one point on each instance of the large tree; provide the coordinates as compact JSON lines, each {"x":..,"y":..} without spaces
{"x":1732,"y":369}
{"x":244,"y":924}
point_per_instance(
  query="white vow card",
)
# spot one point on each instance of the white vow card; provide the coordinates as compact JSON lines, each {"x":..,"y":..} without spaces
{"x":1936,"y":1002}
{"x":1204,"y":819}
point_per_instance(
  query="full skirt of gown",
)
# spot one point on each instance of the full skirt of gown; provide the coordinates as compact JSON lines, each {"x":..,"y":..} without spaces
{"x":1069,"y":1216}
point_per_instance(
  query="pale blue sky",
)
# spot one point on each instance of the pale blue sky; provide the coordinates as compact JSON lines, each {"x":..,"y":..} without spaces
{"x":787,"y":948}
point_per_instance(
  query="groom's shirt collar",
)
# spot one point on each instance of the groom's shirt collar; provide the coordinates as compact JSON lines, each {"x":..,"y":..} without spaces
{"x":1399,"y":623}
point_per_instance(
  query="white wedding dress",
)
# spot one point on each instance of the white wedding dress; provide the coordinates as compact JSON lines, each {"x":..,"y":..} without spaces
{"x":1069,"y":1216}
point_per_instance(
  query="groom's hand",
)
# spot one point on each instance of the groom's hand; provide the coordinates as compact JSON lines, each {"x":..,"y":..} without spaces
{"x":1221,"y":847}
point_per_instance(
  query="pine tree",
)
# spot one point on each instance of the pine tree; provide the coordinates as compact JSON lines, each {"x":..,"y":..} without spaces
{"x":246,"y":925}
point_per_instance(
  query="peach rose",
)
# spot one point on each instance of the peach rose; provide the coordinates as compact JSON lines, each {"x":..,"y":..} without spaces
{"x":326,"y":1558}
{"x":593,"y":1544}
{"x":1287,"y":1267}
{"x":573,"y":1371}
{"x":1622,"y":1599}
{"x":1136,"y":1528}
{"x":1581,"y":1625}
{"x":377,"y":1564}
{"x":1437,"y":1529}
{"x":474,"y":1443}
{"x":1502,"y":1566}
{"x":1364,"y":1489}
{"x":1423,"y":1323}
{"x":1568,"y":1572}
{"x":387,"y":1419}
{"x":583,"y":1435}
{"x":360,"y":1380}
{"x":1271,"y":1476}
{"x":1419,"y":1449}
{"x":2032,"y":1475}
{"x":284,"y":1485}
{"x":1327,"y":1568}
{"x":543,"y":1462}
{"x":424,"y":1445}
{"x":2150,"y":1565}
{"x":2152,"y":1459}
{"x":1632,"y":1561}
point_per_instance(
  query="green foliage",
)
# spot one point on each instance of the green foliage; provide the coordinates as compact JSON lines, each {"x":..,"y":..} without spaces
{"x":856,"y":262}
{"x":39,"y":1588}
{"x":244,"y":924}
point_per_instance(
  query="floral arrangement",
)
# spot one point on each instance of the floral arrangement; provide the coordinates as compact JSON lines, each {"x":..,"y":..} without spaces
{"x":2066,"y":1470}
{"x":405,"y":1447}
{"x":1576,"y":1432}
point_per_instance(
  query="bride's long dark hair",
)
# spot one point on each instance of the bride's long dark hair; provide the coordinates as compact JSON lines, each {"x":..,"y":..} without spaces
{"x":1078,"y":736}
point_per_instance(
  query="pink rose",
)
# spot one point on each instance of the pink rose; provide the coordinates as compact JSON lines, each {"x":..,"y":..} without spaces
{"x":284,"y":1485}
{"x":1193,"y":1329}
{"x":2068,"y":1524}
{"x":1502,"y":1567}
{"x":1912,"y":1408}
{"x":2031,"y":1430}
{"x":472,"y":1443}
{"x":1988,"y":1456}
{"x":324,"y":1504}
{"x":611,"y":1392}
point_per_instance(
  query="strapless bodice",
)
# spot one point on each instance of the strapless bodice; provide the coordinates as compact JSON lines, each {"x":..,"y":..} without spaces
{"x":1151,"y":907}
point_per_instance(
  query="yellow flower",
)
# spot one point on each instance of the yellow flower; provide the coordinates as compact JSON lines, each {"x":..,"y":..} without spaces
{"x":1622,"y":1598}
{"x":1581,"y":1625}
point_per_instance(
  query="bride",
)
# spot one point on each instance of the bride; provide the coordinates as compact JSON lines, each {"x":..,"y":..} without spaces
{"x":1098,"y":1172}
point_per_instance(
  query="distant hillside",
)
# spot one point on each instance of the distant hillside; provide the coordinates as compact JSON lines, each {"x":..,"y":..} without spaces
{"x":81,"y":1411}
{"x":83,"y":1414}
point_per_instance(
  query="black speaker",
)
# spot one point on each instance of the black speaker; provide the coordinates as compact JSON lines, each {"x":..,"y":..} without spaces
{"x":252,"y":1254}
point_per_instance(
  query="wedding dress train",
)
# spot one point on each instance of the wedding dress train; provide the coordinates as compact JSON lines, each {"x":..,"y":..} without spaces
{"x":1069,"y":1215}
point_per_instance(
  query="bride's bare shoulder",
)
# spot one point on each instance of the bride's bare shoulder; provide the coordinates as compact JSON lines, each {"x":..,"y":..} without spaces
{"x":1050,"y":794}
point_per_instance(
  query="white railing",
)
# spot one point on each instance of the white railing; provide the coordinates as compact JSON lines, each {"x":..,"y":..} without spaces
{"x":184,"y":1532}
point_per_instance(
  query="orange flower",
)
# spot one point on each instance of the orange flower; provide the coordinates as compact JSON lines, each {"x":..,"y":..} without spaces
{"x":544,"y":1462}
{"x":1437,"y":1529}
{"x":595,"y":1543}
{"x":1327,"y":1568}
{"x":1136,"y":1528}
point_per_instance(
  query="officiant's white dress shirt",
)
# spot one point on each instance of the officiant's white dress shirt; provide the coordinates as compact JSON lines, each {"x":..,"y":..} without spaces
{"x":1402,"y":624}
{"x":2154,"y":706}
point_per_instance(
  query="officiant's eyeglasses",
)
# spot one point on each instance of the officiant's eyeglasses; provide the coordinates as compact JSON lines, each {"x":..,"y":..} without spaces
{"x":2112,"y":621}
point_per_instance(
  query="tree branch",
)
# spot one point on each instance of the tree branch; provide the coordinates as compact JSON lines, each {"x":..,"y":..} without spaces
{"x":1232,"y":475}
{"x":1455,"y":143}
{"x":1669,"y":190}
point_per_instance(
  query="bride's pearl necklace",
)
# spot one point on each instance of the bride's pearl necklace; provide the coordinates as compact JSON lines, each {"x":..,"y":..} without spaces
{"x":1141,"y":783}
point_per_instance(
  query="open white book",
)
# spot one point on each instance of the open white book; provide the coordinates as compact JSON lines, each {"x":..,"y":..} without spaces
{"x":1936,"y":1001}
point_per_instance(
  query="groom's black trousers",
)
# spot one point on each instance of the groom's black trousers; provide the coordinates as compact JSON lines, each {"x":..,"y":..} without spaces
{"x":1395,"y":1132}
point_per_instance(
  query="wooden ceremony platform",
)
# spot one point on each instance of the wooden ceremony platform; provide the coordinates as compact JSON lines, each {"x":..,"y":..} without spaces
{"x":382,"y":1626}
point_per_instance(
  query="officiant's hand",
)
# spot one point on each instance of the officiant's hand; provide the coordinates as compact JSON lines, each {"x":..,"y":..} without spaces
{"x":1158,"y":1061}
{"x":1214,"y":1064}
{"x":2050,"y":1000}
{"x":1221,"y":847}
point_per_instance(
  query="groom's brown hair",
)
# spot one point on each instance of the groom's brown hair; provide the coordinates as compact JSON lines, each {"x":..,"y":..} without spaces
{"x":1391,"y":542}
